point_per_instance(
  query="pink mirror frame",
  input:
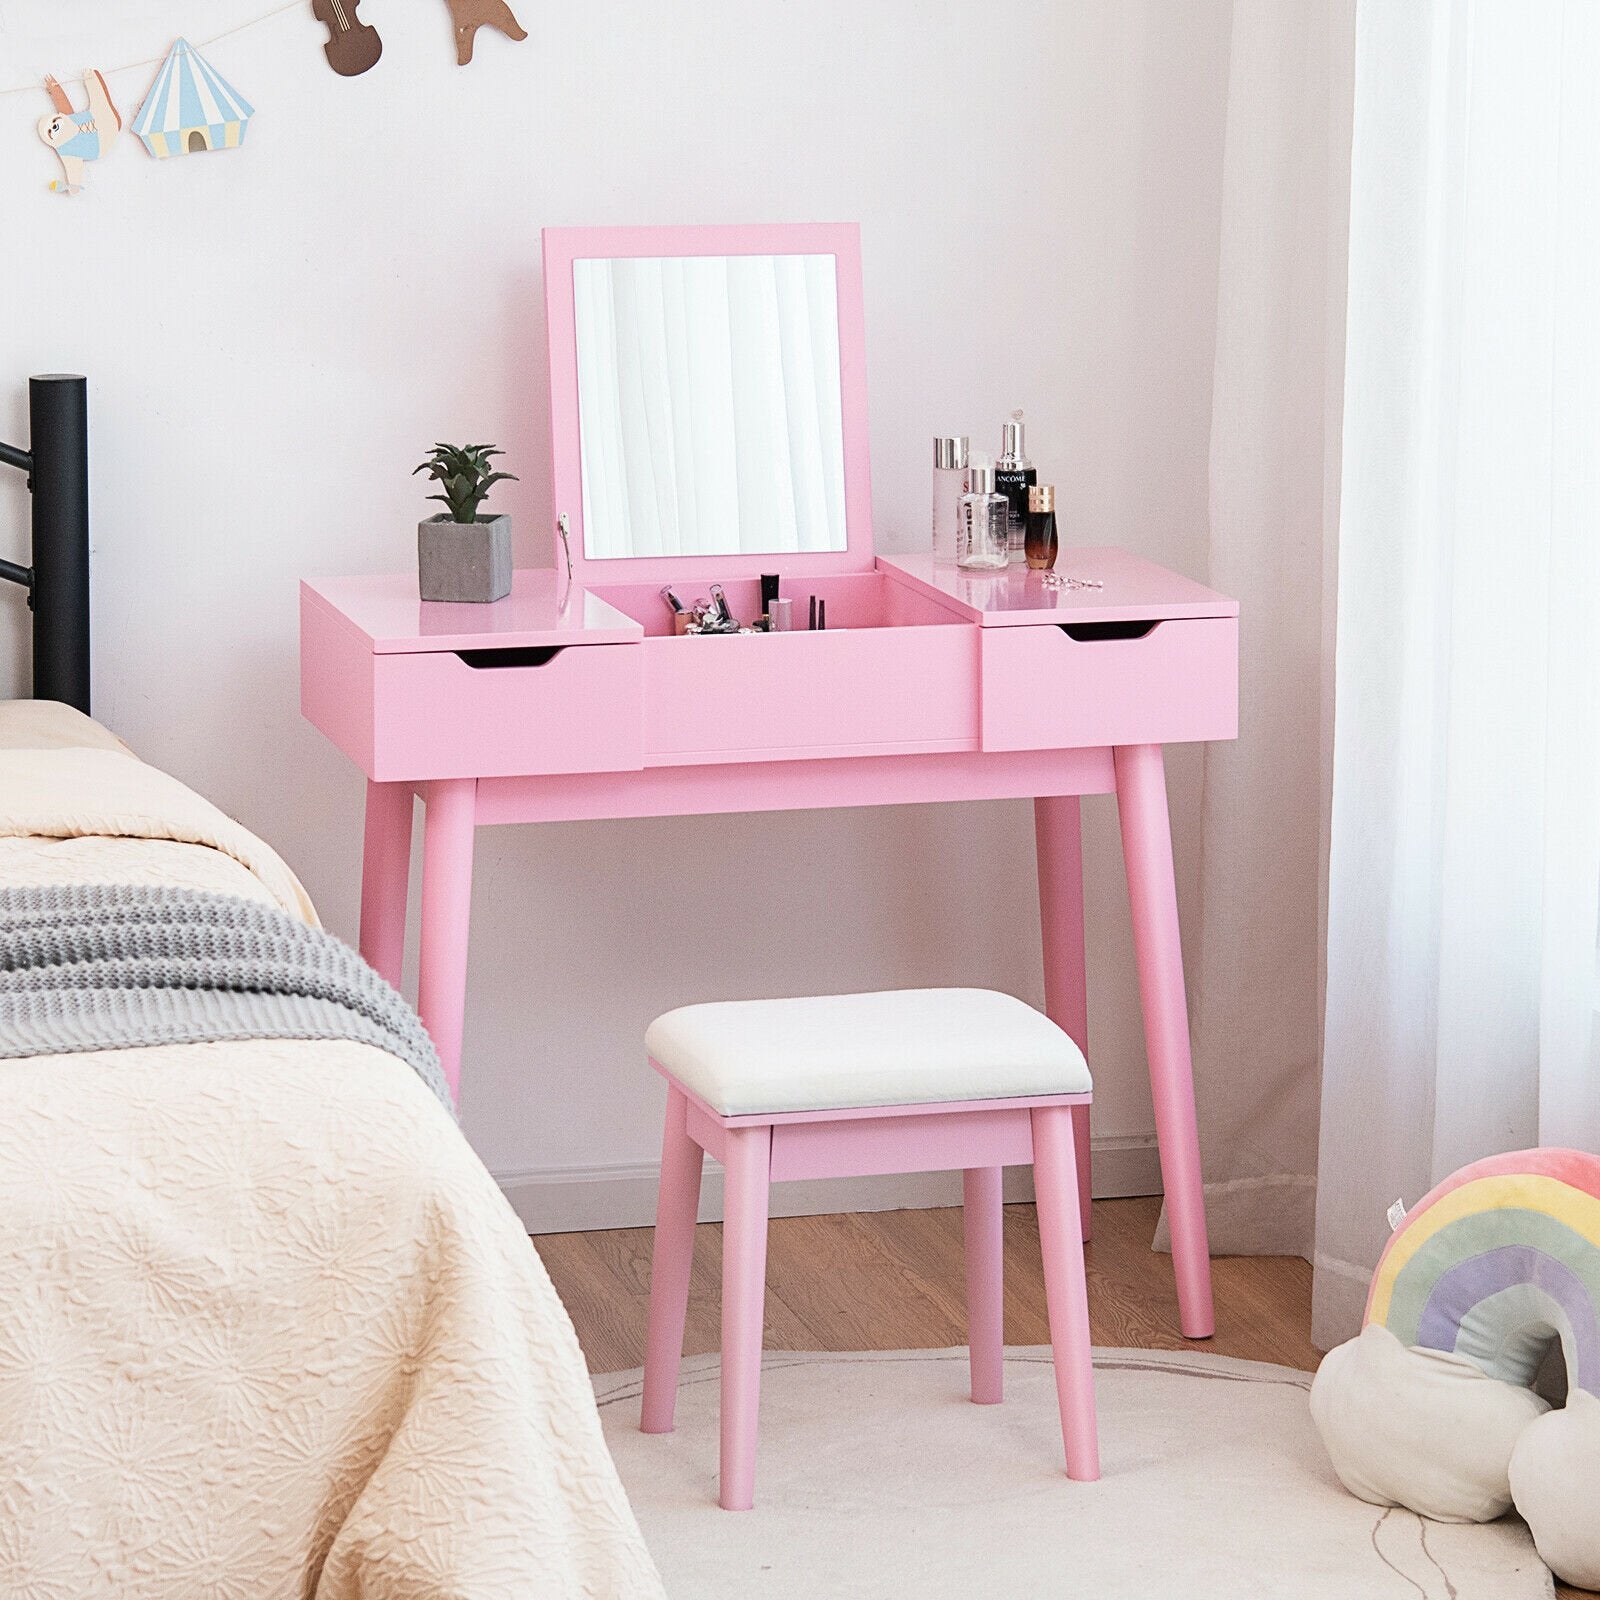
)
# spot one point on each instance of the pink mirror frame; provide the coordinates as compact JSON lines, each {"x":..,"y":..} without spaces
{"x":563,"y":246}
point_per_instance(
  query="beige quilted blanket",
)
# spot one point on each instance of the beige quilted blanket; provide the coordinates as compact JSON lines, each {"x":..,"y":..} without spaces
{"x":267,"y":1327}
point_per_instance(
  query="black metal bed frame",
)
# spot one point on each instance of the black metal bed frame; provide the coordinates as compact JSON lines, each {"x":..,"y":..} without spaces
{"x":57,"y":465}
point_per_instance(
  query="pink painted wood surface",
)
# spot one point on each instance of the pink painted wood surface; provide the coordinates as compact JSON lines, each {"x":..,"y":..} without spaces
{"x":671,"y":1258}
{"x":420,"y":713}
{"x":1152,"y":894}
{"x":995,"y":1134}
{"x":566,"y":741}
{"x":706,"y":790}
{"x":855,"y":600}
{"x":1044,"y":690}
{"x":404,"y":706}
{"x":744,"y":1299}
{"x":386,"y":614}
{"x":386,"y":878}
{"x":1131,"y":589}
{"x":706,"y":1128}
{"x":336,"y":679}
{"x":447,"y":835}
{"x":563,"y":246}
{"x":853,"y":689}
{"x":983,"y":1221}
{"x":1058,"y":849}
{"x":808,"y":694}
{"x":434,"y":716}
{"x":869,"y":1139}
{"x":1055,"y":1185}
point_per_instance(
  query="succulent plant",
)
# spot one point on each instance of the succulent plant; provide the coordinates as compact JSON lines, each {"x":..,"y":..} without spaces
{"x":464,"y":475}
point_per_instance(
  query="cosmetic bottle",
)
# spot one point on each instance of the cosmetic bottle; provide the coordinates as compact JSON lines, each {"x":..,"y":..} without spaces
{"x":1041,"y":539}
{"x":681,"y":618}
{"x":982,"y":536}
{"x":1014,"y":477}
{"x":949,"y":484}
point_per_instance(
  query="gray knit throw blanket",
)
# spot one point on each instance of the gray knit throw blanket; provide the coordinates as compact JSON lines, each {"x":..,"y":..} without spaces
{"x":116,"y":966}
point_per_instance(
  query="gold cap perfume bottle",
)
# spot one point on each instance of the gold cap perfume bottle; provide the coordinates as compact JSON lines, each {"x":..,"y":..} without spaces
{"x":1041,"y":543}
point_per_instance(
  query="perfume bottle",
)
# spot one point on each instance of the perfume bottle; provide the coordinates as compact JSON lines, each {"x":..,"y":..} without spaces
{"x":1042,"y":541}
{"x":949,"y":484}
{"x":1014,"y":477}
{"x":982,"y":531}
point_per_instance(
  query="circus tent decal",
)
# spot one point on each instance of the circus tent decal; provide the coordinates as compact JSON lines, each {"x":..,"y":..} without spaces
{"x":191,"y":107}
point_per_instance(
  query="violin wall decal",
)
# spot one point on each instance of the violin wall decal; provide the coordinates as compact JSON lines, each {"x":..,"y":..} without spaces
{"x":353,"y":45}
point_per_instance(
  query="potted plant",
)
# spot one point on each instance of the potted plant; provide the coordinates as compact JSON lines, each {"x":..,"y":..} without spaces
{"x":460,"y":555}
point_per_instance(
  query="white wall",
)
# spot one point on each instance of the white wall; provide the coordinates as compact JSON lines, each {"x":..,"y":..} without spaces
{"x":274,"y":335}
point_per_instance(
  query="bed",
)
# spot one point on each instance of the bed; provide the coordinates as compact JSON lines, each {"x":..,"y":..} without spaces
{"x":267,"y":1326}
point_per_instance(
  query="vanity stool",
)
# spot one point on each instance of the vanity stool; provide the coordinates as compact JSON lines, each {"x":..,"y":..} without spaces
{"x":915,"y":1080}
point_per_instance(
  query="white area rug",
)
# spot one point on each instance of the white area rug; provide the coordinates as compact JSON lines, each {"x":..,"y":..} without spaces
{"x":878,"y":1477}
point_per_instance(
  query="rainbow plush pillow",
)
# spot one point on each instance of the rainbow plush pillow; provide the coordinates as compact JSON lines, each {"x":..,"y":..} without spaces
{"x":1431,"y":1407}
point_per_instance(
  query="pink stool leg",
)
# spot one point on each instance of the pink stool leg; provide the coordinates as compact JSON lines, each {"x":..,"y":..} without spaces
{"x":446,"y":912}
{"x":1058,"y":849}
{"x":747,"y":1163}
{"x":671,"y":1258}
{"x":385,"y":877}
{"x":1055,"y":1181}
{"x":1147,"y":851}
{"x":984,"y":1223}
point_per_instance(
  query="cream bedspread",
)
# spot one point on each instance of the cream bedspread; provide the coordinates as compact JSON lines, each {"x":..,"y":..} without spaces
{"x":267,"y":1326}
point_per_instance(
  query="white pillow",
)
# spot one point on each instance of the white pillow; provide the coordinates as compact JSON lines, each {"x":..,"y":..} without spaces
{"x":1419,"y":1428}
{"x":1554,"y":1470}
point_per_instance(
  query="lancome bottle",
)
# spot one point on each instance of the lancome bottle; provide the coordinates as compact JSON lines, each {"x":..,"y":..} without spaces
{"x":982,"y":532}
{"x":1042,"y":539}
{"x":949,"y":484}
{"x":1014,"y":477}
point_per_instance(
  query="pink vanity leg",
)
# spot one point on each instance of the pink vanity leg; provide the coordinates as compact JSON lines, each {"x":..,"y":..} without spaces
{"x":1055,"y":1180}
{"x":446,"y":910}
{"x":386,"y":877}
{"x":1147,"y":851}
{"x":984,"y":1224}
{"x":671,"y":1258}
{"x":747,"y":1164}
{"x":1058,"y":848}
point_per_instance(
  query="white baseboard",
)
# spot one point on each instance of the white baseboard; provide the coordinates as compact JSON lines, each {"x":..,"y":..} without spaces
{"x":580,"y":1199}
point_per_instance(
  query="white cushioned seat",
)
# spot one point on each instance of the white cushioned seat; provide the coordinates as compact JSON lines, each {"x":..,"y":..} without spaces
{"x":900,"y":1047}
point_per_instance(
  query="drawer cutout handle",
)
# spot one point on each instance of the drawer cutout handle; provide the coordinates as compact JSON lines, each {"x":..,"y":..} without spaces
{"x":1092,"y":632}
{"x":531,"y":655}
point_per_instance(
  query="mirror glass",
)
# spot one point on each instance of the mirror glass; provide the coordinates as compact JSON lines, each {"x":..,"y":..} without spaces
{"x":709,"y":405}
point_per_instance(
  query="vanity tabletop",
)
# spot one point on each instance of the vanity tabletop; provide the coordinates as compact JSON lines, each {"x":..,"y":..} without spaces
{"x":387,"y":613}
{"x":1131,"y":589}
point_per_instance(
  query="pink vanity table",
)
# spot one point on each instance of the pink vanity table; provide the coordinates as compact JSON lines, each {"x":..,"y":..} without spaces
{"x":573,"y":699}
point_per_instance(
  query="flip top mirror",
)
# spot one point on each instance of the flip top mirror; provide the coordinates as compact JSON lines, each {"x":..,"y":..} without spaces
{"x":708,"y":400}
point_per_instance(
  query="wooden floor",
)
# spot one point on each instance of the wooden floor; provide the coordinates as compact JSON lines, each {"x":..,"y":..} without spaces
{"x":892,"y":1280}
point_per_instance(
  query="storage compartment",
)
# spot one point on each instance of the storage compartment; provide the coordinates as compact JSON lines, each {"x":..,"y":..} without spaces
{"x":502,"y":713}
{"x":1057,"y":687}
{"x":893,"y":673}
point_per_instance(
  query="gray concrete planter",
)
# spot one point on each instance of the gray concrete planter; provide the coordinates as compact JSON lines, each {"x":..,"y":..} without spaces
{"x":464,"y":560}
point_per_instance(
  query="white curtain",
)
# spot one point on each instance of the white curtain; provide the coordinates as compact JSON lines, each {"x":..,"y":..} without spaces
{"x":1255,"y":947}
{"x":1465,"y":845}
{"x":709,"y":405}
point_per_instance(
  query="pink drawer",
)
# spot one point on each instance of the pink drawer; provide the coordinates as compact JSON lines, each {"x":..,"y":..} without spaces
{"x":506,"y":713}
{"x":794,"y":696}
{"x":1044,"y":689}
